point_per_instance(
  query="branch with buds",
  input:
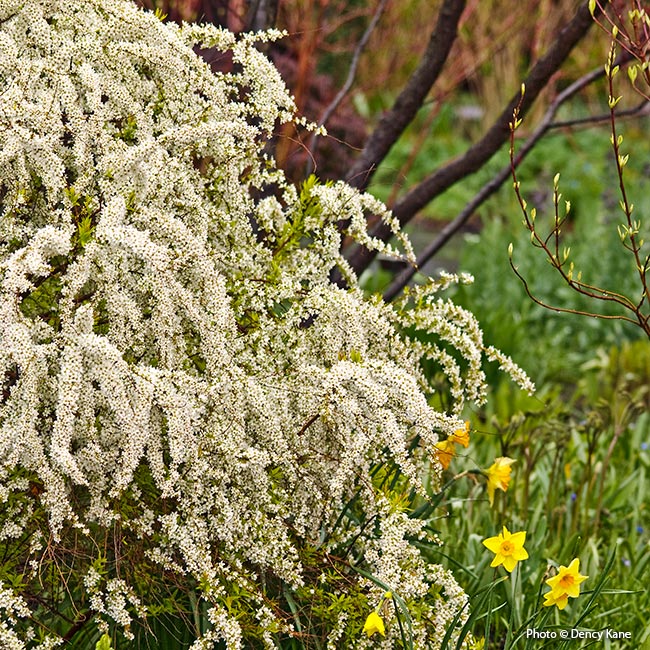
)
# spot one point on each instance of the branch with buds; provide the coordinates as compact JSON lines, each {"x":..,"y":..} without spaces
{"x":635,"y":311}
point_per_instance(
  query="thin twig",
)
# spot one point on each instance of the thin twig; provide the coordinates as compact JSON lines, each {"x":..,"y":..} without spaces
{"x":596,"y":293}
{"x":640,"y":109}
{"x":308,"y":423}
{"x":566,"y":310}
{"x":354,"y":64}
{"x":635,"y":244}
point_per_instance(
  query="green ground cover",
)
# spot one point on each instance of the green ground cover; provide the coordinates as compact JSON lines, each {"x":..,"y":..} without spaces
{"x":582,"y":443}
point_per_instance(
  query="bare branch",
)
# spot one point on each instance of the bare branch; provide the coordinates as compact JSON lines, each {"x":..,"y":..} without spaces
{"x":479,"y":153}
{"x":394,"y":122}
{"x":327,"y":113}
{"x":566,"y":310}
{"x":635,"y":242}
{"x":553,"y":253}
{"x":641,"y":109}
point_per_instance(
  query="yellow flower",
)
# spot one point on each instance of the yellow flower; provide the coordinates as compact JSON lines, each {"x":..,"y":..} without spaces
{"x":461,"y":436}
{"x":374,"y":624}
{"x":499,"y":476}
{"x":444,"y":452}
{"x":564,"y":585}
{"x":508,"y":548}
{"x":551,"y":598}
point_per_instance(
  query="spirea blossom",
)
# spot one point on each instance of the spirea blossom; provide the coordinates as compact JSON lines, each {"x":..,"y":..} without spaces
{"x":184,"y":392}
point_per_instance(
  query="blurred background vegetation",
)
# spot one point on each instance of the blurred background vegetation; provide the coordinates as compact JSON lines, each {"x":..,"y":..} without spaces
{"x":582,"y":443}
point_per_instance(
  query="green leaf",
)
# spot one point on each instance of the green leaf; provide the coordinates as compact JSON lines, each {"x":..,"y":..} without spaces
{"x":104,"y":643}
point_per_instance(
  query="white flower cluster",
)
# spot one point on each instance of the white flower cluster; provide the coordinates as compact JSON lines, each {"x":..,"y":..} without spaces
{"x":174,"y":361}
{"x":12,"y":607}
{"x":112,"y":601}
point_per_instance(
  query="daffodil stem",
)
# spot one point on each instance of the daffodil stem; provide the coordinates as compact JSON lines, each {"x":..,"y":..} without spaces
{"x":489,"y":612}
{"x":618,"y":430}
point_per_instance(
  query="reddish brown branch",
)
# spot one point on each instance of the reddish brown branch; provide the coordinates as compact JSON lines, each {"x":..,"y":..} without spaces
{"x":553,"y":253}
{"x":329,"y":110}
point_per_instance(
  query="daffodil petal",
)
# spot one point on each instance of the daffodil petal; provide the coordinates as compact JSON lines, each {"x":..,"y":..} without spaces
{"x":519,"y":539}
{"x":520,"y":554}
{"x":493,"y":543}
{"x":497,"y":561}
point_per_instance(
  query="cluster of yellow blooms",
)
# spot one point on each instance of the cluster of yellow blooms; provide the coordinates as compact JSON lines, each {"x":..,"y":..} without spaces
{"x":508,"y":549}
{"x":446,"y":449}
{"x":498,"y":474}
{"x":564,"y":585}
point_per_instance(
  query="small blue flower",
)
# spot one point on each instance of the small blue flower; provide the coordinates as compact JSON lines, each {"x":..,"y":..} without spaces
{"x":574,"y":496}
{"x":626,"y":562}
{"x":644,"y":446}
{"x":639,"y":529}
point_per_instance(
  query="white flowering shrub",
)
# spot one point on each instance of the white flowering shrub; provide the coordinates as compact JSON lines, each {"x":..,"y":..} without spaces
{"x":194,"y":420}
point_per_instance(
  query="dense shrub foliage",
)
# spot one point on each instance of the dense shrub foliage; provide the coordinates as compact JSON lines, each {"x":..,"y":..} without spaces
{"x":193,"y":417}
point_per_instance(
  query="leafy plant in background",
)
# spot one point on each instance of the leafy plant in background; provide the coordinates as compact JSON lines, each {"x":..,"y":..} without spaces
{"x":578,"y":487}
{"x":634,"y":308}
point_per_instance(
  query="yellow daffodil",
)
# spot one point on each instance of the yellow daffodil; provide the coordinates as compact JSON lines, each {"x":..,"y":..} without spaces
{"x":444,"y":452}
{"x":498,"y":475}
{"x":566,"y":584}
{"x":508,"y":548}
{"x":374,"y":624}
{"x":560,"y":600}
{"x":461,"y":436}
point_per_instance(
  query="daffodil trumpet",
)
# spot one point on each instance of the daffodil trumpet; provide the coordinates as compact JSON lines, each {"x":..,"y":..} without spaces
{"x":375,"y":623}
